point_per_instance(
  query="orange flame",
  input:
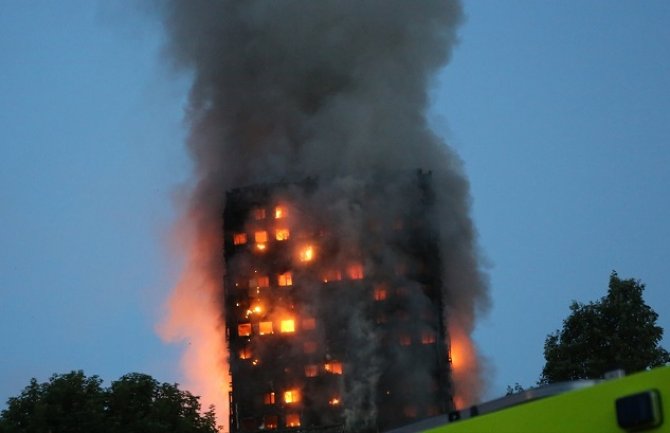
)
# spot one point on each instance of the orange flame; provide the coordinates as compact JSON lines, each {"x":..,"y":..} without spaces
{"x":464,"y":364}
{"x":193,"y":317}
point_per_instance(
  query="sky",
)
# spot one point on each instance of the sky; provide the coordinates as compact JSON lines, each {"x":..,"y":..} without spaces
{"x":559,"y":110}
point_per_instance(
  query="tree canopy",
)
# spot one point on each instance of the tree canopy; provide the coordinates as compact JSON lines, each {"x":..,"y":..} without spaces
{"x":136,"y":403}
{"x":618,"y":331}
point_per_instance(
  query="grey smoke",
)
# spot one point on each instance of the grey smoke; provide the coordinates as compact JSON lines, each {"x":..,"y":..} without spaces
{"x":335,"y":88}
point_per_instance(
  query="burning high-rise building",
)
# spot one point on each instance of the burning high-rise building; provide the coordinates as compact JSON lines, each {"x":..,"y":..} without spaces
{"x":334,"y":307}
{"x":347,"y":283}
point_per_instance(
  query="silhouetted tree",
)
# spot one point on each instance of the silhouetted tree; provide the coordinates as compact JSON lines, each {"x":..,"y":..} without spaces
{"x":618,"y":331}
{"x":136,"y":403}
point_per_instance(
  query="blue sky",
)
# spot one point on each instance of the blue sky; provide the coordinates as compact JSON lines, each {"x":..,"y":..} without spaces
{"x":559,"y":110}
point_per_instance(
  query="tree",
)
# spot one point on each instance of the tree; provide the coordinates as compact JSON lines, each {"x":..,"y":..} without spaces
{"x":618,"y":331}
{"x":72,"y":403}
{"x":516,"y":389}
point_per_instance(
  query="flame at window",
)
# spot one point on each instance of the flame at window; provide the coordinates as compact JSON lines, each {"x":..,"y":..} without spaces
{"x":260,"y":281}
{"x":269,"y":398}
{"x":311,"y":370}
{"x":306,"y":253}
{"x":285,"y":279}
{"x":291,"y":396}
{"x":261,"y":238}
{"x":355,"y":271}
{"x":281,"y":212}
{"x":335,"y":401}
{"x":287,"y":326}
{"x":239,"y":238}
{"x":380,"y":293}
{"x":334,"y":367}
{"x":282,"y":234}
{"x":428,"y":337}
{"x":244,"y":329}
{"x":270,"y":422}
{"x":245,"y":353}
{"x":265,"y":328}
{"x":332,"y":275}
{"x":292,"y":420}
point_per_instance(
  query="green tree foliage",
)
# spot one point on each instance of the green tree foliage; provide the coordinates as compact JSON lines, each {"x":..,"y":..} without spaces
{"x":618,"y":331}
{"x":136,"y":403}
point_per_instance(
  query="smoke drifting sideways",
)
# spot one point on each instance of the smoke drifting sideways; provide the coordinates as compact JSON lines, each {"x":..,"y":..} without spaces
{"x":333,"y":88}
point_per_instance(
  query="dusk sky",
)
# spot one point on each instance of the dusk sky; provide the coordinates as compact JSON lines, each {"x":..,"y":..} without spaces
{"x":559,"y":110}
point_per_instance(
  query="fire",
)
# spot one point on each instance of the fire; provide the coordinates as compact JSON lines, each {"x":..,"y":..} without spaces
{"x":334,"y":401}
{"x":292,"y":420}
{"x":282,"y":234}
{"x":355,"y":271}
{"x":306,"y":253}
{"x":265,"y":328}
{"x":311,"y":370}
{"x":287,"y":326}
{"x":464,"y":365}
{"x":285,"y":279}
{"x":244,"y":329}
{"x":333,"y":367}
{"x":280,"y":212}
{"x":193,"y":316}
{"x":291,"y":396}
{"x":254,"y":309}
{"x":261,"y":238}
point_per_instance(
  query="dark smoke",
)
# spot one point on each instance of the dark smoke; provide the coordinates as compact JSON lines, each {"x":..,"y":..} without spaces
{"x":288,"y":89}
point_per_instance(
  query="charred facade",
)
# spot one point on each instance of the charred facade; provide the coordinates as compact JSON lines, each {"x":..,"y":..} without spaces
{"x":334,"y":305}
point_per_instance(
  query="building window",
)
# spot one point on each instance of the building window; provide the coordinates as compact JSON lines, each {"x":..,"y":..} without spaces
{"x":334,"y":401}
{"x":332,"y":275}
{"x":287,"y":326}
{"x":265,"y":328}
{"x":306,"y":253}
{"x":281,"y":212}
{"x":311,"y":370}
{"x":239,"y":238}
{"x":291,"y":396}
{"x":355,"y":271}
{"x":249,"y":424}
{"x":309,"y":323}
{"x":259,"y":282}
{"x":409,"y":411}
{"x":258,"y":213}
{"x":405,"y":339}
{"x":270,"y":422}
{"x":244,"y":329}
{"x":292,"y":420}
{"x":309,"y":346}
{"x":428,"y":337}
{"x":432,"y":410}
{"x":285,"y":279}
{"x":380,"y":292}
{"x":333,"y":367}
{"x":269,"y":398}
{"x":261,"y":237}
{"x":281,"y":234}
{"x":245,"y":352}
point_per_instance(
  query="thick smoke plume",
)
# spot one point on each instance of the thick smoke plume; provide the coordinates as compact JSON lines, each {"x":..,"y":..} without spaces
{"x":336,"y":89}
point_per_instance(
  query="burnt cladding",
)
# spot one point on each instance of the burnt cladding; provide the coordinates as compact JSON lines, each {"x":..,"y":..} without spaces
{"x":334,"y":306}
